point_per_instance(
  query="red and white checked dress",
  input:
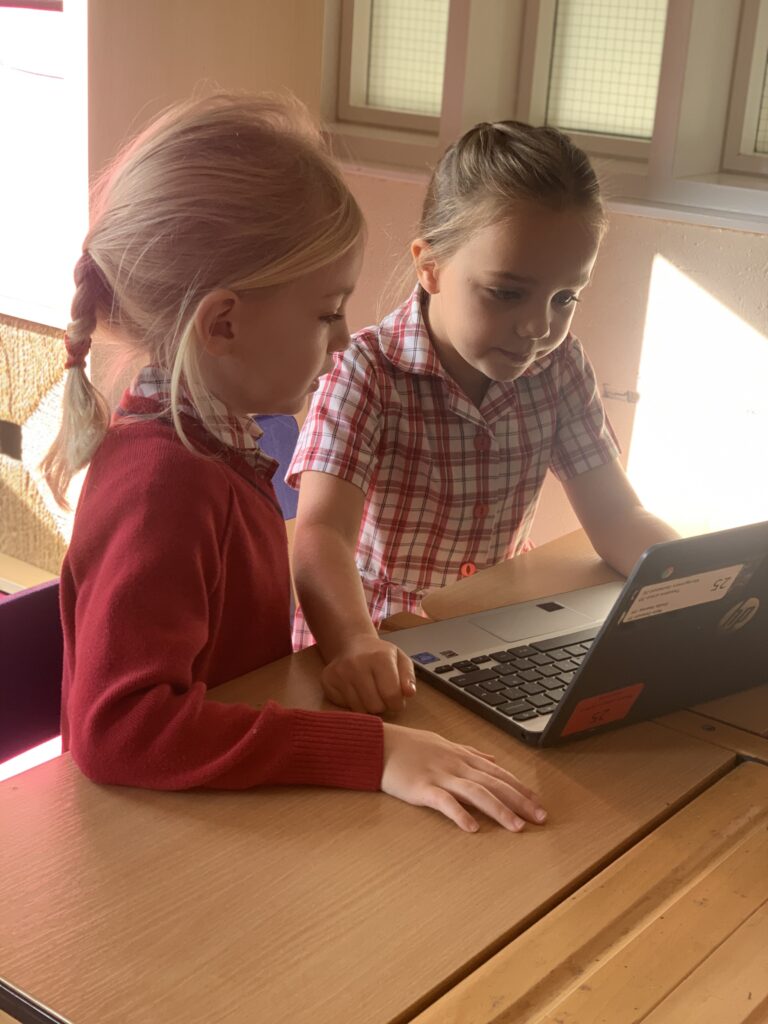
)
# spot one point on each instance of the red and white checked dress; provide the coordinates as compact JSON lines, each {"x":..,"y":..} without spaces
{"x":449,"y":488}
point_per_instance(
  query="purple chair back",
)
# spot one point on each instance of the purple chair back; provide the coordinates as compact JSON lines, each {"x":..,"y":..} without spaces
{"x":30,"y":668}
{"x":279,"y":440}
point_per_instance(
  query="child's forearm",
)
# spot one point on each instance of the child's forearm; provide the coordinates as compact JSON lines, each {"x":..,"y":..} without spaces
{"x":329,"y":588}
{"x":621,"y":543}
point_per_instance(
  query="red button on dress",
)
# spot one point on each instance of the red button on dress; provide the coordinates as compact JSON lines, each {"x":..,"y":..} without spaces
{"x":482,"y":443}
{"x":468,"y":569}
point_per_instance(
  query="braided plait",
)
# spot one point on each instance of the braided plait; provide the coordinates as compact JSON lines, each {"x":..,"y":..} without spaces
{"x":85,"y":416}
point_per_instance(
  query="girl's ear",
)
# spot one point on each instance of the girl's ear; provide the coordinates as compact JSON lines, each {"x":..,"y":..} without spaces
{"x":426,"y":267}
{"x":216,"y":321}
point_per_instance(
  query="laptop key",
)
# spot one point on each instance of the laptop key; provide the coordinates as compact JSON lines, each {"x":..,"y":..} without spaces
{"x":521,"y":652}
{"x":556,"y":694}
{"x":530,"y":688}
{"x":523,"y":664}
{"x":539,"y":700}
{"x":504,"y":669}
{"x":552,"y":684}
{"x":577,"y":650}
{"x":566,"y":677}
{"x":523,"y":716}
{"x":570,"y":665}
{"x":540,"y":659}
{"x":571,"y":638}
{"x":493,"y":699}
{"x":559,"y":654}
{"x":529,"y":677}
{"x":547,"y":709}
{"x":549,"y":670}
{"x":514,"y":707}
{"x":494,"y":685}
{"x":464,"y":666}
{"x":515,"y":693}
{"x":481,"y":675}
{"x":481,"y":659}
{"x":442,"y":670}
{"x":501,"y":656}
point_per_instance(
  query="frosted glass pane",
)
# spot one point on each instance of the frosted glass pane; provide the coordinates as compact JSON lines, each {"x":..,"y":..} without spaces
{"x":606,"y":58}
{"x":407,"y":55}
{"x":761,"y":139}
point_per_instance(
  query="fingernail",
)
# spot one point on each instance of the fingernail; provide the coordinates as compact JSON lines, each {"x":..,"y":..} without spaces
{"x":541,"y":815}
{"x":412,"y":686}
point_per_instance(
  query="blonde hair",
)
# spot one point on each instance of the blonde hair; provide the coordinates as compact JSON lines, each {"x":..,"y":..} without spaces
{"x":229,"y":191}
{"x":480,"y":178}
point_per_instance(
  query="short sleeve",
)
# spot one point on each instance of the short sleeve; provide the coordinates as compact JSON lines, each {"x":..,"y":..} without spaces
{"x":341,"y":433}
{"x":584,"y":437}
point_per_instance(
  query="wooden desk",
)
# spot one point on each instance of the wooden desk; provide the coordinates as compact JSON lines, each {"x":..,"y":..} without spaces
{"x":299,"y":905}
{"x":564,"y":564}
{"x":674,"y":931}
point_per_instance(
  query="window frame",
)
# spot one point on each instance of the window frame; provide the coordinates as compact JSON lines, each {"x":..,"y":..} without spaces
{"x":746,"y":95}
{"x":683,"y":172}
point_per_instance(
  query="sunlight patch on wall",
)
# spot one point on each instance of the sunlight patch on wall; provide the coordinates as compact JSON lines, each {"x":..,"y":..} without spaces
{"x":700,"y":438}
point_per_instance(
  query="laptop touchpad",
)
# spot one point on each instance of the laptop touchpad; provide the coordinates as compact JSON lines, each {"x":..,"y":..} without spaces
{"x":520,"y":622}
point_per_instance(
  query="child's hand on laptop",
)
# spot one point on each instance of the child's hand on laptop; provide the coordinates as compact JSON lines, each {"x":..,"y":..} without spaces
{"x":427,"y":770}
{"x":371,"y":676}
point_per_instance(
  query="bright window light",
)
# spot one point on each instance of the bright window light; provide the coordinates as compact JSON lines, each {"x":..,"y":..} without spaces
{"x":605,"y":67}
{"x":37,"y":755}
{"x":44,"y":170}
{"x":407,"y":55}
{"x":697,"y":456}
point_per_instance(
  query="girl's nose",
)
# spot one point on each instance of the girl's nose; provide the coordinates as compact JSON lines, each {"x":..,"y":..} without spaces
{"x":339,"y":337}
{"x":532,"y":324}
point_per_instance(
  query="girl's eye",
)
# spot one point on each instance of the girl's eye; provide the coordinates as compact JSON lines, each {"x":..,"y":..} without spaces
{"x":565,"y":299}
{"x":504,"y":294}
{"x":332,"y":318}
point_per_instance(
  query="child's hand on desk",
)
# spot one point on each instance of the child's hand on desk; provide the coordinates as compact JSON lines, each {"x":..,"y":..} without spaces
{"x":371,"y":676}
{"x":426,"y":770}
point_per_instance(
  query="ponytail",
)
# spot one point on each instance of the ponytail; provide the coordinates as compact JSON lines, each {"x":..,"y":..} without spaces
{"x":85,"y":415}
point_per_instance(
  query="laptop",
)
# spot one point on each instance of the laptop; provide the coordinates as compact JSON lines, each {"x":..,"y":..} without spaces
{"x":688,"y":625}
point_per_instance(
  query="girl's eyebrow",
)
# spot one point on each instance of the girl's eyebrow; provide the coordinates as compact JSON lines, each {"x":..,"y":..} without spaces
{"x":506,"y":275}
{"x":340,"y":291}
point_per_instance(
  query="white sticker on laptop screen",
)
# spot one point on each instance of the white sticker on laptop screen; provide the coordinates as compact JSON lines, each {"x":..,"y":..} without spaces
{"x":672,"y":595}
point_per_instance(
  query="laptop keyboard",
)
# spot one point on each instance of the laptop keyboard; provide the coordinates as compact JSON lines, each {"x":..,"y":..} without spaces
{"x":521,"y":682}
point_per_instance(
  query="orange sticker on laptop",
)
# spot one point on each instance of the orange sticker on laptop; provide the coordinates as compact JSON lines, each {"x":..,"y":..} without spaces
{"x":602,"y":709}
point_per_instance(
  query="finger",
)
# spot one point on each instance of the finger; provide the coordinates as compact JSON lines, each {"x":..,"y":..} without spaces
{"x":482,"y":797}
{"x":334,"y":695}
{"x":491,"y":768}
{"x":358,"y":692}
{"x":406,"y":673}
{"x":360,"y":699}
{"x":441,"y":800}
{"x":479,"y":753}
{"x":388,"y":688}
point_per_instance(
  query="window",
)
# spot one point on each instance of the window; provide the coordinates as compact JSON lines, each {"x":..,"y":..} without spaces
{"x":669,"y":97}
{"x":43,"y":173}
{"x":747,"y":140}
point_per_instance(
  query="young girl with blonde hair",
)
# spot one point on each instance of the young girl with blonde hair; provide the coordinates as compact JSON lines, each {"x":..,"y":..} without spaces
{"x":425,"y":449}
{"x":223,"y":247}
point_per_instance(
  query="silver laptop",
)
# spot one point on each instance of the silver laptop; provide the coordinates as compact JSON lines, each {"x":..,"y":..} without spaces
{"x":689,"y":624}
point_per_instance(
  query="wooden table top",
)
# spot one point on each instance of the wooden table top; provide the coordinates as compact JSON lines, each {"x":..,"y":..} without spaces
{"x":299,"y":904}
{"x":673,"y":931}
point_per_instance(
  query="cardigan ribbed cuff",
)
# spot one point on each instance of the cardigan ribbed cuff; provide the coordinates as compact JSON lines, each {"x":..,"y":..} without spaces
{"x":335,"y":748}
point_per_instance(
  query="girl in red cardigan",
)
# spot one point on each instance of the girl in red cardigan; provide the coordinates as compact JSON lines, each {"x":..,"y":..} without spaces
{"x":223,"y":247}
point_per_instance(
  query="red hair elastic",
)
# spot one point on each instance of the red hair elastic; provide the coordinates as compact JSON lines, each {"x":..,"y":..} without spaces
{"x":76,"y":352}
